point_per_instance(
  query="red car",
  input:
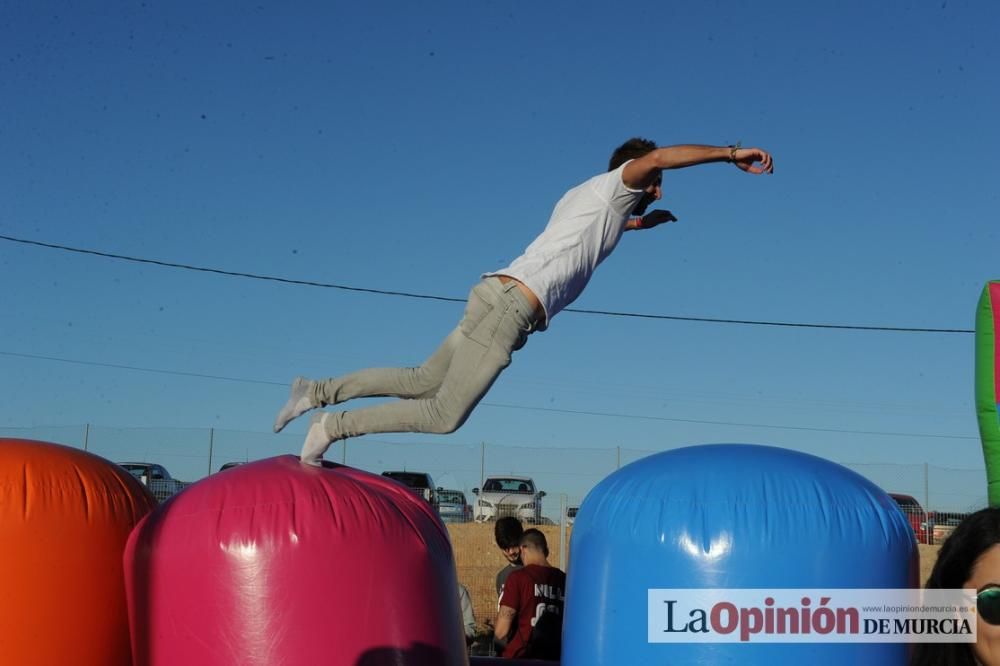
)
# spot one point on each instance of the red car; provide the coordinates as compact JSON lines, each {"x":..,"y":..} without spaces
{"x":920,"y":521}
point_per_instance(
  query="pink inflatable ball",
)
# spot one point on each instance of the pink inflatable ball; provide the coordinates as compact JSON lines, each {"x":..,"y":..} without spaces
{"x":275,"y":562}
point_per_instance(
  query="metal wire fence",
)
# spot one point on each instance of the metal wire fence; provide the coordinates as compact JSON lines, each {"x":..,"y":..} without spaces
{"x":565,"y":475}
{"x":463,"y":476}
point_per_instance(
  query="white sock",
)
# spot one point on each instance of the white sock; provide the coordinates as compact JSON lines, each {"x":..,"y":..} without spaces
{"x":317,"y":440}
{"x":299,"y":402}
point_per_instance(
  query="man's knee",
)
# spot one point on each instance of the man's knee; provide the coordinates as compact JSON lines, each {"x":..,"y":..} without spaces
{"x":449,"y":425}
{"x":428,"y":394}
{"x":424,"y":379}
{"x":448,"y":421}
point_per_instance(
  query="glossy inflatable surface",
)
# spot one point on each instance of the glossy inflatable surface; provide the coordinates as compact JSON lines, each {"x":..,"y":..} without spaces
{"x":727,"y":516}
{"x":65,"y":515}
{"x":275,"y":563}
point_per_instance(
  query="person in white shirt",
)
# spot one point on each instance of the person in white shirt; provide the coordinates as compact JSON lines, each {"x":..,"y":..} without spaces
{"x":468,"y":617}
{"x":506,"y":306}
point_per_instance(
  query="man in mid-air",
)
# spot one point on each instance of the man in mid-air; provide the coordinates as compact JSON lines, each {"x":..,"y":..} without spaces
{"x":508,"y":305}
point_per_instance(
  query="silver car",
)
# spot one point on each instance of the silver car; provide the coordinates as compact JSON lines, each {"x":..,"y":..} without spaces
{"x":452,"y":506}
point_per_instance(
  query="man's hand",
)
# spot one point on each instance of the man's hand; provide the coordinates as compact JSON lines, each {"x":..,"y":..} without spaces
{"x":651,"y":219}
{"x":747,"y":159}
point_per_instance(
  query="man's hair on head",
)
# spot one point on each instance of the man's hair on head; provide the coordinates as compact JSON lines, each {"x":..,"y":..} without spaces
{"x":535,"y":539}
{"x":507,"y":532}
{"x":630,"y":150}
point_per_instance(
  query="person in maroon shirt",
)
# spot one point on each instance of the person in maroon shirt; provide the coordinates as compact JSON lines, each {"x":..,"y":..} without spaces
{"x":531,"y":606}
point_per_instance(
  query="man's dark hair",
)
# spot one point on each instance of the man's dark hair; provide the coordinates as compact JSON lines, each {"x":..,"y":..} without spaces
{"x":631,"y":149}
{"x":508,"y":532}
{"x":535,"y":539}
{"x":974,"y":536}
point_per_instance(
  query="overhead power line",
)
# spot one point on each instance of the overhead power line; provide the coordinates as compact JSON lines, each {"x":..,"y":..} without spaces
{"x":219,"y":271}
{"x":646,"y":417}
{"x":497,"y":405}
{"x":118,"y":366}
{"x":432,"y":297}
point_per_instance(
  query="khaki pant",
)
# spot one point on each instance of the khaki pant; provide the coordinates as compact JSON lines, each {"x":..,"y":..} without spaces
{"x":439,"y":395}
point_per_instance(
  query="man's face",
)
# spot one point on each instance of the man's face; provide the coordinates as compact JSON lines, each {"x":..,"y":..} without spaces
{"x":653,"y":192}
{"x":513,"y":554}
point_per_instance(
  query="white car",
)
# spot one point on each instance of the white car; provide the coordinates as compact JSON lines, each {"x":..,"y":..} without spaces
{"x":503,"y":496}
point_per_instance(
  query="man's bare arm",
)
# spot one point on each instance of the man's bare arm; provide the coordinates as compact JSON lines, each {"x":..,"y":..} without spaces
{"x":640,"y":172}
{"x":505,"y":620}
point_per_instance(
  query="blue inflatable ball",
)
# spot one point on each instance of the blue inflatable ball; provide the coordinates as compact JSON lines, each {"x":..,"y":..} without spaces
{"x":726,"y":516}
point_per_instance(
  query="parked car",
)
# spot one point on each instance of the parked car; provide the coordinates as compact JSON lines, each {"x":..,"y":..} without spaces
{"x":571,"y":514}
{"x":923,"y":528}
{"x":452,"y":506}
{"x":156,"y":478}
{"x":503,"y":496}
{"x":944,"y":523}
{"x":420,"y":483}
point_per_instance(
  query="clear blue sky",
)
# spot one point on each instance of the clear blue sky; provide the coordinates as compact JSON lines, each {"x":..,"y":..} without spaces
{"x":412,"y":146}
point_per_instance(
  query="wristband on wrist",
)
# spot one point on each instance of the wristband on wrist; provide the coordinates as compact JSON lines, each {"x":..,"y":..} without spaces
{"x":732,"y":150}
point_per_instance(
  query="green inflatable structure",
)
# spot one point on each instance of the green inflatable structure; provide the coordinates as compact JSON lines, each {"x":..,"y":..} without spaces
{"x":988,"y":384}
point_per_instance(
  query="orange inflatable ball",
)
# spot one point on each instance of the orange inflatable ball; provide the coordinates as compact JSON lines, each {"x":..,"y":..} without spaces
{"x":65,"y":515}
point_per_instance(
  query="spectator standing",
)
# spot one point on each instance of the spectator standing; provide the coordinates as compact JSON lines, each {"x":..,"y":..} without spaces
{"x":468,"y":617}
{"x":531,"y":606}
{"x":507,"y":532}
{"x":969,"y":559}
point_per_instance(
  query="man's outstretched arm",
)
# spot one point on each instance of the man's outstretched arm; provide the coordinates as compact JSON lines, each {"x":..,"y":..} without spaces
{"x":640,"y":172}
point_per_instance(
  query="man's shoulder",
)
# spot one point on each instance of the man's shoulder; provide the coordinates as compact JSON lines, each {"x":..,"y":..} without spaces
{"x":503,"y":576}
{"x":515,"y":572}
{"x":524,"y":577}
{"x":546,"y":573}
{"x":598,"y":182}
{"x":507,"y":570}
{"x":556,"y":572}
{"x":603,"y":189}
